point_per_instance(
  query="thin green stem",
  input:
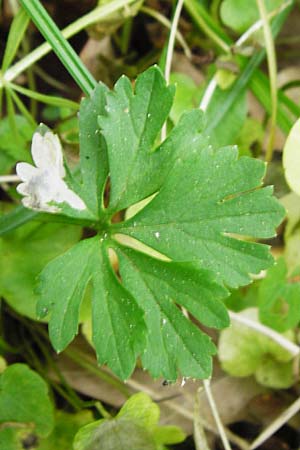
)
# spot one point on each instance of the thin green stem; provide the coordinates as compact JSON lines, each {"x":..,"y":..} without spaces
{"x":48,"y":99}
{"x":207,"y":25}
{"x":51,"y":364}
{"x":272,"y":65}
{"x":11,"y":114}
{"x":30,"y":78}
{"x":170,"y":52}
{"x":216,"y":415}
{"x":126,"y":35}
{"x":82,"y":361}
{"x":260,"y":23}
{"x":22,"y":108}
{"x":96,"y":15}
{"x":171,"y":43}
{"x":166,"y":22}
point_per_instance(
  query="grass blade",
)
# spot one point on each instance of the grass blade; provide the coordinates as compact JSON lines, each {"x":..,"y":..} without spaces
{"x":60,"y":45}
{"x":48,"y":99}
{"x":15,"y":36}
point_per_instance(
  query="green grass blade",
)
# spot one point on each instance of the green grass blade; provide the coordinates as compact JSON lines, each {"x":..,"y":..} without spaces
{"x":207,"y":24}
{"x":11,"y":115}
{"x":60,"y":45}
{"x":48,"y":99}
{"x":260,"y":87}
{"x":15,"y":218}
{"x":22,"y":108}
{"x":16,"y":33}
{"x":246,"y":74}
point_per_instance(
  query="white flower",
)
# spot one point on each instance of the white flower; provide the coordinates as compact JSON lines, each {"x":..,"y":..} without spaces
{"x":44,"y":183}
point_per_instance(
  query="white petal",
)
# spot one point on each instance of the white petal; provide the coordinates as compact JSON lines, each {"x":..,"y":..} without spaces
{"x":31,"y":203}
{"x":22,"y":188}
{"x":25,"y":171}
{"x":73,"y":200}
{"x":44,"y":184}
{"x":47,"y":152}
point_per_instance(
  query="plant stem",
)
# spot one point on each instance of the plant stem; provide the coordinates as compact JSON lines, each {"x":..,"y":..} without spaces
{"x":199,"y":433}
{"x":170,"y":51}
{"x":278,"y":423}
{"x":205,"y":22}
{"x":292,"y":348}
{"x":171,"y":42}
{"x":23,"y":109}
{"x":209,"y":92}
{"x":43,"y":98}
{"x":166,"y":22}
{"x":9,"y":179}
{"x":215,"y":414}
{"x":272,"y":65}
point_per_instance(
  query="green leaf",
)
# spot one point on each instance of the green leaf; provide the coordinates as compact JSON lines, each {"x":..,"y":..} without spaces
{"x":244,"y":351}
{"x":135,"y":427}
{"x":130,"y":127}
{"x":291,"y":158}
{"x":240,"y":15}
{"x":24,"y":253}
{"x":118,"y":325}
{"x":24,"y":402}
{"x":11,"y":439}
{"x":279,"y":298}
{"x":93,"y":159}
{"x":174,"y":342}
{"x":201,"y":206}
{"x":140,"y":408}
{"x":65,"y":429}
{"x":224,"y":202}
{"x":113,"y":435}
{"x":274,"y":375}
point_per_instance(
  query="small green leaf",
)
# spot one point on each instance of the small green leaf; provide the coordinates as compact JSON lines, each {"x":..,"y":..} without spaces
{"x":240,"y":15}
{"x":66,"y":427}
{"x":24,"y":400}
{"x":114,"y":435}
{"x":274,"y":375}
{"x":135,"y":427}
{"x":279,"y":298}
{"x":130,"y":127}
{"x":244,"y":351}
{"x":140,"y":408}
